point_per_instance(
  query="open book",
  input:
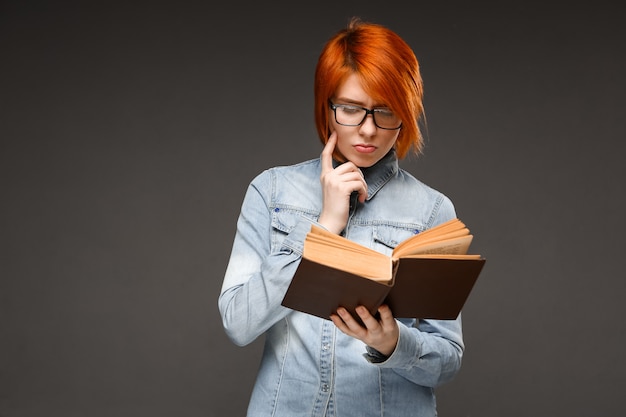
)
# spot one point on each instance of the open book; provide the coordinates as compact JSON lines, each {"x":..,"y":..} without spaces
{"x":429,"y":275}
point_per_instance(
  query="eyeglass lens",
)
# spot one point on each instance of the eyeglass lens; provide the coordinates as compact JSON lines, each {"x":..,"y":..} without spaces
{"x":354,"y":115}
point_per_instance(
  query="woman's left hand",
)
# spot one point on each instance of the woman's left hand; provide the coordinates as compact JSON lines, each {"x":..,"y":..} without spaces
{"x":381,"y":334}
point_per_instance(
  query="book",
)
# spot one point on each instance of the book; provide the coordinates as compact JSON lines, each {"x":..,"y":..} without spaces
{"x":427,"y":276}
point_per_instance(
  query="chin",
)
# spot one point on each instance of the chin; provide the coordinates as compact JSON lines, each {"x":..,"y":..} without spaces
{"x":358,"y":159}
{"x":364,"y":162}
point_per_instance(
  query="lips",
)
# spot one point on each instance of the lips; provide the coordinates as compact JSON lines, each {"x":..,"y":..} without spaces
{"x":365,"y":148}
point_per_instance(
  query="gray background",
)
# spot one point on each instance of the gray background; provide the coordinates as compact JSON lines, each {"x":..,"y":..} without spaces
{"x":129,"y":132}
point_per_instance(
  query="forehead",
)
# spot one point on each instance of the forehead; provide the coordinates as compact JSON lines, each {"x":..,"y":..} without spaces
{"x":352,"y":89}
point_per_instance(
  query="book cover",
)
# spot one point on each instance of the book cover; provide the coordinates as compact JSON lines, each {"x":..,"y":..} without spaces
{"x":423,"y":288}
{"x":428,"y":276}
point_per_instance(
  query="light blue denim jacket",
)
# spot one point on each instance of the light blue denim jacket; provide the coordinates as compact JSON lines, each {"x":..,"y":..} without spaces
{"x":308,"y":367}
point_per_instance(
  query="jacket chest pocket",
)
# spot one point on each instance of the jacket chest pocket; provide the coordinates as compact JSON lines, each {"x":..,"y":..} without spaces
{"x":283,"y":222}
{"x":386,"y":237}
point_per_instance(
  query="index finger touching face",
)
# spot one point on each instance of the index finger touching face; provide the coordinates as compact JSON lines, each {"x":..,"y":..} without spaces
{"x":327,"y":153}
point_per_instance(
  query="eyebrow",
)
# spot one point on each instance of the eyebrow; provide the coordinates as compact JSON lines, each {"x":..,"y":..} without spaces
{"x":360,"y":103}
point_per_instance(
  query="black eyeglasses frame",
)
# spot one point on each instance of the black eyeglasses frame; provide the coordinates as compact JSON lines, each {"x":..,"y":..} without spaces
{"x":334,"y":107}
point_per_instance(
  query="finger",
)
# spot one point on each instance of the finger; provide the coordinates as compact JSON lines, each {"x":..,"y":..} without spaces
{"x":357,"y":176}
{"x":370,"y":321}
{"x":386,"y":315}
{"x":350,"y":168}
{"x":340,"y":324}
{"x":351,"y":323}
{"x":362,"y":190}
{"x":327,"y":153}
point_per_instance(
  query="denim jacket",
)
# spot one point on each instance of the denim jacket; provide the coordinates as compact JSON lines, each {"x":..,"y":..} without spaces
{"x":309,"y":367}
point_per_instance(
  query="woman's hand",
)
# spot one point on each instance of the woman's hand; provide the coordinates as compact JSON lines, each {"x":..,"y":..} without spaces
{"x":337,"y":186}
{"x":381,"y":334}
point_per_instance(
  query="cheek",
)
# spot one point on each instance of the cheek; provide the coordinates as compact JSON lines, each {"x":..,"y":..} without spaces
{"x":343,"y":141}
{"x":342,"y":148}
{"x":390,"y":141}
{"x":394,"y":138}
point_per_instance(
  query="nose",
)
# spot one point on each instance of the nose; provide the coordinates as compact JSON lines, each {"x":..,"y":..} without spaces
{"x":368,"y":127}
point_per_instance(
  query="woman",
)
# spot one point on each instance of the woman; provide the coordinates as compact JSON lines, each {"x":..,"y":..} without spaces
{"x":368,"y":102}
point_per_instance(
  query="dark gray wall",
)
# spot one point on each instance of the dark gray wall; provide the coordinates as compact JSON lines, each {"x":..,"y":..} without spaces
{"x":129,"y":133}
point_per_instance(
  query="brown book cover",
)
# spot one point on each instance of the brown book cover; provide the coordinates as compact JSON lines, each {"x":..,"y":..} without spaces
{"x":423,"y":288}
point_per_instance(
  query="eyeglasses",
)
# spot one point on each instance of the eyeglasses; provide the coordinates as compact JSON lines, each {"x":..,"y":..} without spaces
{"x":351,"y":115}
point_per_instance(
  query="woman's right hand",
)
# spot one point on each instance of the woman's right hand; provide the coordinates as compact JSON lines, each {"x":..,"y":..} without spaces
{"x":337,"y":186}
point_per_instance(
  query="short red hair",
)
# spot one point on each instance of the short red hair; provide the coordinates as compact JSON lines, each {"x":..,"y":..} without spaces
{"x":389,"y":73}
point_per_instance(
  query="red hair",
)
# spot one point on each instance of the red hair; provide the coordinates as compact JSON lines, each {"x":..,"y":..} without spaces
{"x":388,"y":71}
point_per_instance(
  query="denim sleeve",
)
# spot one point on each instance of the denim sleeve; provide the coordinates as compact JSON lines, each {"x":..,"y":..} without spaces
{"x":257,"y":277}
{"x":430,"y":353}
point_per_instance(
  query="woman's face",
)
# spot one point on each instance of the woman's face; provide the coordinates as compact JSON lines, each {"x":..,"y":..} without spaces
{"x":366,"y":144}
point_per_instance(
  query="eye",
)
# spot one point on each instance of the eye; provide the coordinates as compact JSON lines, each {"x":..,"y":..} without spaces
{"x":351,"y":109}
{"x":385,"y":113}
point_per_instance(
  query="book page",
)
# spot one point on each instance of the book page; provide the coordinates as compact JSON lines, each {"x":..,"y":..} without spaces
{"x":444,"y":256}
{"x":453,"y":246}
{"x":340,"y":253}
{"x":336,"y":241}
{"x":439,"y":239}
{"x":412,"y":246}
{"x":445,"y":227}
